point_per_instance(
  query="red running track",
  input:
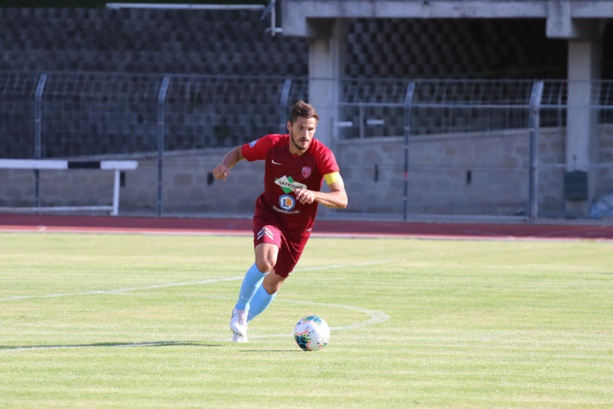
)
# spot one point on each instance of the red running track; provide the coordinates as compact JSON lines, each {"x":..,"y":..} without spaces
{"x":338,"y":228}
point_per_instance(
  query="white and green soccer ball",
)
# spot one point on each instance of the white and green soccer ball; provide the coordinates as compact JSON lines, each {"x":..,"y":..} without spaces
{"x":312,"y":333}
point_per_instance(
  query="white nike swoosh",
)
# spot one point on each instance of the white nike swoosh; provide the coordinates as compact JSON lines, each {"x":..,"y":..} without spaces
{"x":276,"y":163}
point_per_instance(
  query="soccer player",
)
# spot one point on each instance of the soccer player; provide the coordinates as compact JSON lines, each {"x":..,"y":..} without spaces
{"x":295,"y":166}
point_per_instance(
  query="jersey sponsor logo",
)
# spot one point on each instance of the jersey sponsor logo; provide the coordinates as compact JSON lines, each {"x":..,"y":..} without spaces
{"x":285,"y":211}
{"x":306,"y":171}
{"x":288,"y":184}
{"x":286,"y":202}
{"x":276,"y":163}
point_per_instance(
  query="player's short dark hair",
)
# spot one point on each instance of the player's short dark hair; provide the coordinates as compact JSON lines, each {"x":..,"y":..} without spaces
{"x":302,"y":110}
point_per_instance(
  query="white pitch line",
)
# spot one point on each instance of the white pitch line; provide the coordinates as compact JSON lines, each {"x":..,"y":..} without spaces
{"x":376,"y":317}
{"x":120,"y":290}
{"x":185,"y":284}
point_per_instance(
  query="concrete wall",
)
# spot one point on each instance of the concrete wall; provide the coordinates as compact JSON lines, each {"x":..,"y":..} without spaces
{"x":236,"y":43}
{"x":145,"y":41}
{"x":474,"y":174}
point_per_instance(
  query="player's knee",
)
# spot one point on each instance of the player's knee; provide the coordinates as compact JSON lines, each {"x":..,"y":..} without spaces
{"x":265,"y":265}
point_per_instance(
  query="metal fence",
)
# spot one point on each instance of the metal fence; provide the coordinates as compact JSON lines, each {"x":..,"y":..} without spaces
{"x":84,"y":115}
{"x":62,"y":115}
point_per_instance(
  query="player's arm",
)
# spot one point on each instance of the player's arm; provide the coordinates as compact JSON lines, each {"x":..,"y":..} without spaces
{"x":229,"y":160}
{"x":336,"y":198}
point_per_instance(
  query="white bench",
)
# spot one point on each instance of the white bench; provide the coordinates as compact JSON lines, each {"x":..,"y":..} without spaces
{"x":40,"y":164}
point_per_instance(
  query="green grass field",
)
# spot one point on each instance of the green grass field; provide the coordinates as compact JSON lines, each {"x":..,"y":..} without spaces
{"x":135,"y":321}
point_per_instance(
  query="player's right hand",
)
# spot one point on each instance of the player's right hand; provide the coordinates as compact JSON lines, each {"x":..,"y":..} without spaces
{"x":221,"y":172}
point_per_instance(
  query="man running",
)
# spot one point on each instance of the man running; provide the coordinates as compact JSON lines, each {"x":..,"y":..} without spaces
{"x":295,"y":166}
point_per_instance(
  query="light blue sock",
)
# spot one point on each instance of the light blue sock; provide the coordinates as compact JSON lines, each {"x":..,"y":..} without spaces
{"x":252,"y":281}
{"x":259,"y":302}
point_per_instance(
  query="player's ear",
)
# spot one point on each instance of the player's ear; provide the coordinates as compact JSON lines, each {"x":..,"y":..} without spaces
{"x":289,"y":126}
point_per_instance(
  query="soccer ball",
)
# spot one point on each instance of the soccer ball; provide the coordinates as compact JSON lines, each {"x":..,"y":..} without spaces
{"x":312,"y":333}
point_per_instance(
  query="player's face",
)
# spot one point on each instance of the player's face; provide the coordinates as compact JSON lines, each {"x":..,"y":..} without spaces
{"x":301,"y":134}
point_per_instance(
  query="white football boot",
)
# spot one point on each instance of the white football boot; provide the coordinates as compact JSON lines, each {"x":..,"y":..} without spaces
{"x":239,"y":338}
{"x":238,"y":323}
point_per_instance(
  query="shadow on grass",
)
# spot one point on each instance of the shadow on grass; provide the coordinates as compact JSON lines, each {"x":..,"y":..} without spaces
{"x":271,"y":350}
{"x":111,"y":345}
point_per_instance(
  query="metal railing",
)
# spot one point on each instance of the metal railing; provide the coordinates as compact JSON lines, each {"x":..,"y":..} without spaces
{"x":81,"y":115}
{"x":107,"y":114}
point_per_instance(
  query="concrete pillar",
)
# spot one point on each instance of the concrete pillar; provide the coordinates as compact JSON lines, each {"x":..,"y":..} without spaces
{"x":327,"y":51}
{"x":584,"y":60}
{"x":584,"y":66}
{"x":326,"y":66}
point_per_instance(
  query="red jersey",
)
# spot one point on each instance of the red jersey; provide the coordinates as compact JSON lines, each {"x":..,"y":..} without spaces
{"x":285,"y":172}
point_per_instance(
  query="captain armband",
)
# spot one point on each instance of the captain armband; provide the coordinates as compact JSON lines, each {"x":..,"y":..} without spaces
{"x":332,"y":177}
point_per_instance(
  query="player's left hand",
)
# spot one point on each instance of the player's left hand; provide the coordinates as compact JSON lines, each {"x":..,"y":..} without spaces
{"x":304,"y":196}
